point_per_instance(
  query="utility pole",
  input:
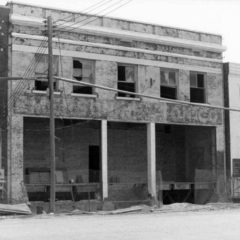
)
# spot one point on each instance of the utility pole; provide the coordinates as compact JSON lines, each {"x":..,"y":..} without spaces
{"x":1,"y":147}
{"x":52,"y":119}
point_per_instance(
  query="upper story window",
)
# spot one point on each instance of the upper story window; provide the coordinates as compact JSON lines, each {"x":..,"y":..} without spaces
{"x":197,"y":87}
{"x":126,"y":80}
{"x":83,"y":70}
{"x":41,"y":72}
{"x":168,"y":87}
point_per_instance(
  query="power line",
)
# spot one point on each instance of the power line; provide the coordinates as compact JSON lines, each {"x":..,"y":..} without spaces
{"x":148,"y":96}
{"x":93,"y":17}
{"x":41,"y":50}
{"x":126,"y":103}
{"x":21,"y":86}
{"x":87,"y":10}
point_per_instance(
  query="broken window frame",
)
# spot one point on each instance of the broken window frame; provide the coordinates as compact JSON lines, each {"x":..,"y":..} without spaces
{"x":197,"y":87}
{"x":167,"y":85}
{"x":81,"y":89}
{"x":123,"y":81}
{"x":42,"y":84}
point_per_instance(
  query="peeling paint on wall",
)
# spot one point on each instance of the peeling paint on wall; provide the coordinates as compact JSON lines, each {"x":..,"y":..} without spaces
{"x":193,"y":114}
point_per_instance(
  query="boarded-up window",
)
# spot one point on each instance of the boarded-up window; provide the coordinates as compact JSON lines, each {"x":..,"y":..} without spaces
{"x":126,"y":80}
{"x":41,"y":71}
{"x":168,"y":83}
{"x":83,"y":70}
{"x":197,"y":87}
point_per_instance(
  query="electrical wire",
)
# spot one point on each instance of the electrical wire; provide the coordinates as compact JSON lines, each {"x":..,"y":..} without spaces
{"x":86,"y":11}
{"x":41,"y":49}
{"x":21,"y":86}
{"x":70,"y":27}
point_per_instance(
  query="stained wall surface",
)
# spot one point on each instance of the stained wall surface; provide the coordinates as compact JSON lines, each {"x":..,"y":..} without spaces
{"x":109,"y":43}
{"x":232,"y":80}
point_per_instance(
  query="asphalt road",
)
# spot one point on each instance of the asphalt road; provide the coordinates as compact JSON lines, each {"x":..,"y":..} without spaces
{"x":205,"y":225}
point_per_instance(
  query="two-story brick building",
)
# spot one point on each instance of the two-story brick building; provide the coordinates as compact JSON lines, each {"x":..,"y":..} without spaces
{"x":131,"y":146}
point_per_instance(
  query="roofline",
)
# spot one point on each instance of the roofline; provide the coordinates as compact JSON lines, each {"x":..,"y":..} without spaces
{"x":121,"y":19}
{"x":4,"y":6}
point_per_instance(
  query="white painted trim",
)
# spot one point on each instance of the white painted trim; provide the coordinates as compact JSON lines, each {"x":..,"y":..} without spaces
{"x":128,"y":99}
{"x":125,"y":60}
{"x":37,"y":92}
{"x":111,"y":18}
{"x":84,"y":95}
{"x":123,"y":34}
{"x":104,"y":158}
{"x":151,"y":159}
{"x":43,"y":92}
{"x":26,"y":20}
{"x":115,"y":47}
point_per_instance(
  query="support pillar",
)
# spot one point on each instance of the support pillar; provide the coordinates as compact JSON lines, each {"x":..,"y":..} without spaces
{"x":151,"y":159}
{"x":16,"y":189}
{"x":104,"y":158}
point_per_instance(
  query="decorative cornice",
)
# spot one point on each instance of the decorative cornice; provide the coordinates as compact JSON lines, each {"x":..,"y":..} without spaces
{"x":115,"y":47}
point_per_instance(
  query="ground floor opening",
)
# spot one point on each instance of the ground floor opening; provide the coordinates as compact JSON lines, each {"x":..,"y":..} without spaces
{"x":121,"y":162}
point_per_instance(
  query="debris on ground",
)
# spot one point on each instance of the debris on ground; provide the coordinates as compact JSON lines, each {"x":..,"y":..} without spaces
{"x":9,"y":209}
{"x":132,"y":209}
{"x":174,"y":207}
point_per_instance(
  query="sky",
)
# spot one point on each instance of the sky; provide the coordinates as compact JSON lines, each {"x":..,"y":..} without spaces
{"x":214,"y":16}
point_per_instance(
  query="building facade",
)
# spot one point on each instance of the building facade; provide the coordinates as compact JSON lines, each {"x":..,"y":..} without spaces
{"x":131,"y":146}
{"x":232,"y":100}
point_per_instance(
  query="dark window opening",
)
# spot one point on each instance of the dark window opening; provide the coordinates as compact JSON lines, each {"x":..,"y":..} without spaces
{"x":130,"y":87}
{"x":82,"y":71}
{"x":168,"y":92}
{"x":197,"y":87}
{"x":197,"y":95}
{"x":121,"y":73}
{"x":126,"y":80}
{"x":43,"y":85}
{"x":94,"y":164}
{"x":82,"y":90}
{"x":77,"y":70}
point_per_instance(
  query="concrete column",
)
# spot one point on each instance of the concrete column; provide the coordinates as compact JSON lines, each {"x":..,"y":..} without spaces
{"x":16,"y":191}
{"x":151,"y":150}
{"x":104,"y":157}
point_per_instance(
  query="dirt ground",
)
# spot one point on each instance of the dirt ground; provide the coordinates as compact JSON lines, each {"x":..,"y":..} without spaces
{"x":176,"y":221}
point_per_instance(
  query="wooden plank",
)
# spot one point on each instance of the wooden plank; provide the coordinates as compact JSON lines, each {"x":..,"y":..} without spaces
{"x":15,"y":208}
{"x":182,"y":186}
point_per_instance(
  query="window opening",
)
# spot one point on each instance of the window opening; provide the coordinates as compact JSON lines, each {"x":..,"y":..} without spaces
{"x":41,"y":72}
{"x":126,"y":80}
{"x":168,"y":83}
{"x":83,"y":71}
{"x":197,"y":87}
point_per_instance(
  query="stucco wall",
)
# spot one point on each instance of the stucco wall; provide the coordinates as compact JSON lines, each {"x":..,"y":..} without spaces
{"x":234,"y":102}
{"x":104,"y":104}
{"x":114,"y":23}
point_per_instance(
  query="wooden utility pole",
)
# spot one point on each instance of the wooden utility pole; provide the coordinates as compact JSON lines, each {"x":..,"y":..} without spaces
{"x":1,"y":147}
{"x":52,"y":119}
